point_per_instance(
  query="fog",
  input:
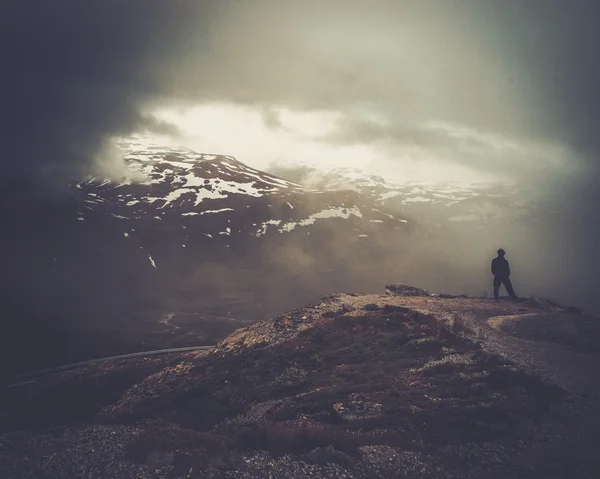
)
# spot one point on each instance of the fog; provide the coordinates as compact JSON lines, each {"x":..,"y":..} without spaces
{"x":464,"y":90}
{"x":459,"y":80}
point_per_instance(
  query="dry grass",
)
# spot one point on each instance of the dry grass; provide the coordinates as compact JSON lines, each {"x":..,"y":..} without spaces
{"x":401,"y":379}
{"x":338,"y":375}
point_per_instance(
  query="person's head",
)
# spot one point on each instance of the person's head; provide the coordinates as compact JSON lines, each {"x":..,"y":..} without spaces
{"x":501,"y":253}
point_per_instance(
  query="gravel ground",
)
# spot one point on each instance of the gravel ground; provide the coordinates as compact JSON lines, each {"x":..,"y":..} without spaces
{"x":92,"y":452}
{"x":535,"y":448}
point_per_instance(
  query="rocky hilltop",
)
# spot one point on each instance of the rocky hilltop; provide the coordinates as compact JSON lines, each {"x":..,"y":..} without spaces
{"x":405,"y":384}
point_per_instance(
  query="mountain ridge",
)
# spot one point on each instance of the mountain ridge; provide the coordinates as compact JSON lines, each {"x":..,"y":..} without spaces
{"x":181,"y":251}
{"x":354,"y":385}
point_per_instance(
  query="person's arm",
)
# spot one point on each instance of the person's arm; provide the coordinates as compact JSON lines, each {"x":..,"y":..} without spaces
{"x":494,"y":267}
{"x":507,"y":269}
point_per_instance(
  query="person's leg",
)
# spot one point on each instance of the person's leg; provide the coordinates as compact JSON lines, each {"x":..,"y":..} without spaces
{"x":509,"y":287}
{"x":497,"y":283}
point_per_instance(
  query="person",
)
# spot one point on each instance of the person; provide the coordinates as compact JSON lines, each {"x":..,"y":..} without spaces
{"x":501,"y":272}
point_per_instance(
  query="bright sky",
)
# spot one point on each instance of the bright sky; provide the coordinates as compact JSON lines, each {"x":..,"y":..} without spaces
{"x":261,"y":138}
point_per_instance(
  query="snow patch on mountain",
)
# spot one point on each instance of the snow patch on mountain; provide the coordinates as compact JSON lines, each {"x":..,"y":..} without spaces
{"x":177,"y":180}
{"x":417,"y":199}
{"x":343,"y":213}
{"x":220,"y":198}
{"x":263,"y":227}
{"x":437,"y":203}
{"x":216,"y":211}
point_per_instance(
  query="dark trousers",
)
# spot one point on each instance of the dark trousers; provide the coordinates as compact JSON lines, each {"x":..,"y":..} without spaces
{"x":499,"y":280}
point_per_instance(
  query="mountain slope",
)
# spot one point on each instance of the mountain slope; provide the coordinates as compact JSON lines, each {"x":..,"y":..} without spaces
{"x":186,"y":248}
{"x":363,"y":386}
{"x":468,"y":222}
{"x":436,"y":204}
{"x":166,"y":184}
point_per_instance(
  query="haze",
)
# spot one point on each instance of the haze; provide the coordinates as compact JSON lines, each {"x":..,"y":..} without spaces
{"x":412,"y":91}
{"x":465,"y":90}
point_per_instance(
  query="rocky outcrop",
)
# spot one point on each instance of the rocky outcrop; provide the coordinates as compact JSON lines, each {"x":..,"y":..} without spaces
{"x":357,"y":386}
{"x":399,"y":289}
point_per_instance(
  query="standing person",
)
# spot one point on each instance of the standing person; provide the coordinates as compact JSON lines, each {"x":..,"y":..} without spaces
{"x":501,"y":272}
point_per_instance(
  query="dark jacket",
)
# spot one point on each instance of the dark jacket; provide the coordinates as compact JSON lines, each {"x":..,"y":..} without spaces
{"x":500,"y":267}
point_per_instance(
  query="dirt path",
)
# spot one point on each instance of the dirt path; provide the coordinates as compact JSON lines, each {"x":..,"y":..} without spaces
{"x":564,"y":366}
{"x":574,"y":371}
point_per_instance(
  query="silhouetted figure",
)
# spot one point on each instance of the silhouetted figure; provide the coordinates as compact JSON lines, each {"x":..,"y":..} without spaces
{"x":501,"y":272}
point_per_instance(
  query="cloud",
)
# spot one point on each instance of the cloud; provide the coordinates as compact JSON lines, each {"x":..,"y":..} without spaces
{"x":271,"y":118}
{"x":81,"y":72}
{"x":152,"y":124}
{"x":472,"y":64}
{"x":77,"y":73}
{"x":498,"y":88}
{"x":485,"y":152}
{"x":381,"y":54}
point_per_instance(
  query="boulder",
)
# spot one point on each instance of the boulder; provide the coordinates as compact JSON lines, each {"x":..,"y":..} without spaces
{"x":399,"y":289}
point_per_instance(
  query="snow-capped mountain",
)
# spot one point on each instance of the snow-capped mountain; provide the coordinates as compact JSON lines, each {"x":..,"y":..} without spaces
{"x":216,"y":195}
{"x":183,"y":249}
{"x":186,"y":247}
{"x":465,"y":223}
{"x":436,"y":204}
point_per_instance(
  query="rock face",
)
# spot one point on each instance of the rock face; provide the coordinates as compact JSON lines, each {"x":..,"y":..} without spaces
{"x":361,"y":386}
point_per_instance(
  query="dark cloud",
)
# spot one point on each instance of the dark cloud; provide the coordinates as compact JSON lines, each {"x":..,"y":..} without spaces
{"x":481,"y":151}
{"x":554,"y":45}
{"x":453,"y":77}
{"x":76,"y":73}
{"x":271,"y":119}
{"x":151,"y":124}
{"x":360,"y":130}
{"x":521,"y":70}
{"x":407,"y":61}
